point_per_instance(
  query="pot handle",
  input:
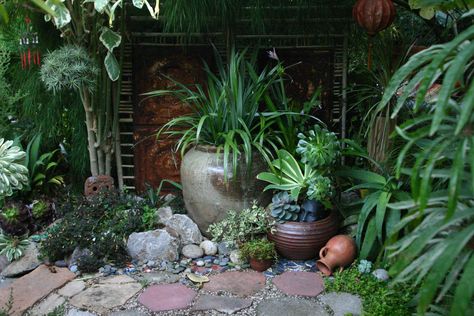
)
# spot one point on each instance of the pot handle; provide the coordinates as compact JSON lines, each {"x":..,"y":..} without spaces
{"x":323,"y":251}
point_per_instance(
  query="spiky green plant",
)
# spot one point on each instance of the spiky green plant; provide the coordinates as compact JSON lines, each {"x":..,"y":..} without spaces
{"x":13,"y":247}
{"x":69,"y":67}
{"x":13,"y":174}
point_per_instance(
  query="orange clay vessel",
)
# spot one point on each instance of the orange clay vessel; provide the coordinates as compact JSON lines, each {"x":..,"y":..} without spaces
{"x":339,"y":252}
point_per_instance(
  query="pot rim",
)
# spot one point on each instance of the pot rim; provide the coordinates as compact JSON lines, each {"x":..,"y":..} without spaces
{"x":333,"y":215}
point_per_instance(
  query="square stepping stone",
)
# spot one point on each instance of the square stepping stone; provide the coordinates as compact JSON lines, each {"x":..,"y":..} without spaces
{"x":72,"y":288}
{"x":166,"y":297}
{"x":299,"y":283}
{"x":31,"y":288}
{"x":223,"y":304}
{"x":343,"y":303}
{"x":290,"y":306}
{"x":47,"y":305}
{"x":238,"y":283}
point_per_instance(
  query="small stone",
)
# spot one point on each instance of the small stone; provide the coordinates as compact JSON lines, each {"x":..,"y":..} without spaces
{"x":381,"y":274}
{"x":77,"y":254}
{"x":60,"y":264}
{"x":200,"y":263}
{"x":192,"y":251}
{"x":223,"y":248}
{"x":74,"y":269}
{"x":151,"y":263}
{"x":188,"y":270}
{"x":209,"y":247}
{"x":235,"y":257}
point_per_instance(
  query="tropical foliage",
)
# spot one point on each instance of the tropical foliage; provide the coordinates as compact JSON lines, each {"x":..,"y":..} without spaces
{"x":13,"y":174}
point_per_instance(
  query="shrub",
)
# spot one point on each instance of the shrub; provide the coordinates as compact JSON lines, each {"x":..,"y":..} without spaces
{"x":241,"y":226}
{"x":101,"y":224}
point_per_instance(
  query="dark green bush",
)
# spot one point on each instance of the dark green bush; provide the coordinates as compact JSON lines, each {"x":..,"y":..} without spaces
{"x":101,"y":224}
{"x":379,"y":298}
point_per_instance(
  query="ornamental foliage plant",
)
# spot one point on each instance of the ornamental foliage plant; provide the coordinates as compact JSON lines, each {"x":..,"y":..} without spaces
{"x":241,"y":226}
{"x":13,"y":174}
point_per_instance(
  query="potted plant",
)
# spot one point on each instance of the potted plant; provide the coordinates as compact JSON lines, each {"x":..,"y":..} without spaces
{"x":302,"y":203}
{"x":261,"y":254}
{"x":223,"y":139}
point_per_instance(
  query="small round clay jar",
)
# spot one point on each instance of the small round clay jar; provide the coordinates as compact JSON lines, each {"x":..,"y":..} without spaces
{"x":339,"y":252}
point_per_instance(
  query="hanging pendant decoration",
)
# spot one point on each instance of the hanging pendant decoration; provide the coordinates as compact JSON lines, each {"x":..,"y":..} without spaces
{"x":29,"y":47}
{"x":374,"y":16}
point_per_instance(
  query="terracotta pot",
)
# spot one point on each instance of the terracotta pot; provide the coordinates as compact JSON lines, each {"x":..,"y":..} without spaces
{"x":339,"y":252}
{"x":260,"y":265}
{"x":207,"y":196}
{"x":302,"y":240}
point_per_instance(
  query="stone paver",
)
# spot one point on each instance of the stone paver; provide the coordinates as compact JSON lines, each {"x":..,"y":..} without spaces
{"x":128,"y":313}
{"x":25,"y":264}
{"x":48,"y":305}
{"x":343,"y":303}
{"x":6,"y":282}
{"x":238,"y":283}
{"x":223,"y":304}
{"x":158,"y":277}
{"x":29,"y":289}
{"x":167,"y":297}
{"x":108,"y":294}
{"x":290,"y":307}
{"x":76,"y":312}
{"x":72,"y":288}
{"x":299,"y":283}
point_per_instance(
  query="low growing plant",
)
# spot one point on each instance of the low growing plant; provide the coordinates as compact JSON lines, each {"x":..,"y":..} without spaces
{"x":13,"y":247}
{"x":378,"y":297}
{"x":241,"y":226}
{"x":260,"y":249}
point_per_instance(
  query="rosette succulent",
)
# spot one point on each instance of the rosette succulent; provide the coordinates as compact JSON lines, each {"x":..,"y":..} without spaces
{"x":319,"y":188}
{"x":13,"y":174}
{"x":319,"y":148}
{"x":284,"y":208}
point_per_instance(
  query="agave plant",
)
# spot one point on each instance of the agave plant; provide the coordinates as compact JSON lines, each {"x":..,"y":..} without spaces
{"x":319,"y":148}
{"x":13,"y":174}
{"x":13,"y":247}
{"x":283,"y":207}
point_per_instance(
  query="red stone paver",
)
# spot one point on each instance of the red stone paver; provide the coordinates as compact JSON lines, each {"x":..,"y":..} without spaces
{"x":29,"y":289}
{"x":299,"y":283}
{"x":238,"y":283}
{"x":166,"y":297}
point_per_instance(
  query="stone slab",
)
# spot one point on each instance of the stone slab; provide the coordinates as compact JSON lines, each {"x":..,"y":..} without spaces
{"x":165,"y":297}
{"x":128,"y":313}
{"x":299,"y":283}
{"x":158,"y":277}
{"x":76,"y":312}
{"x":117,"y":279}
{"x":72,"y":288}
{"x":238,"y":283}
{"x":343,"y":303}
{"x":223,"y":304}
{"x":290,"y":306}
{"x":31,"y":288}
{"x":103,"y":297}
{"x":47,"y":305}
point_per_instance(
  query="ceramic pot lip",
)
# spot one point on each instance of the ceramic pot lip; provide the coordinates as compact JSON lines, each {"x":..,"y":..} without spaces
{"x":332,"y":215}
{"x":323,"y":267}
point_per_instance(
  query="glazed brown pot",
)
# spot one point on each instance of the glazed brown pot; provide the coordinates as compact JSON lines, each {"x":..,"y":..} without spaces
{"x":339,"y":252}
{"x":208,"y":196}
{"x":302,"y":240}
{"x":260,"y":265}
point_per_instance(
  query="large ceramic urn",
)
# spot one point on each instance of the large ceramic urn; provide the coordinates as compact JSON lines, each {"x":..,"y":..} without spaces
{"x":209,"y":195}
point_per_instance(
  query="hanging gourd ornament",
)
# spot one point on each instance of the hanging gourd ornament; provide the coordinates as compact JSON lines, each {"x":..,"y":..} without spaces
{"x":374,"y":16}
{"x":29,"y":46}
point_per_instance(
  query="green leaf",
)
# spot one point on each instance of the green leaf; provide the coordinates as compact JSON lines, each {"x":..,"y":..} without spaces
{"x":380,"y":213}
{"x":112,"y":66}
{"x":110,"y":39}
{"x":4,"y":14}
{"x":369,"y":239}
{"x":369,"y":203}
{"x":138,"y":3}
{"x":454,"y":244}
{"x":467,"y":107}
{"x":456,"y":177}
{"x":100,"y":5}
{"x":61,"y":16}
{"x":362,"y":175}
{"x":464,"y":290}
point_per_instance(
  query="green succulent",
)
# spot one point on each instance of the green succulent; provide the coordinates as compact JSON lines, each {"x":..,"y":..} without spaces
{"x":283,"y":207}
{"x":13,"y":174}
{"x":319,"y":149}
{"x":13,"y":247}
{"x":39,"y":208}
{"x":320,"y":188}
{"x":10,"y":214}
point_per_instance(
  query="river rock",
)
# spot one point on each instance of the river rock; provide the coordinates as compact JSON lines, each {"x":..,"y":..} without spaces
{"x":164,"y":214}
{"x":156,"y":245}
{"x":192,"y":251}
{"x":187,"y":230}
{"x":77,"y":255}
{"x":209,"y":247}
{"x":28,"y":262}
{"x":381,"y":274}
{"x":235,"y":257}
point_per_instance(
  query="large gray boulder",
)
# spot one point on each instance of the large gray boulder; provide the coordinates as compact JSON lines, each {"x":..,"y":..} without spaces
{"x":28,"y":262}
{"x":155,"y":245}
{"x":187,"y":230}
